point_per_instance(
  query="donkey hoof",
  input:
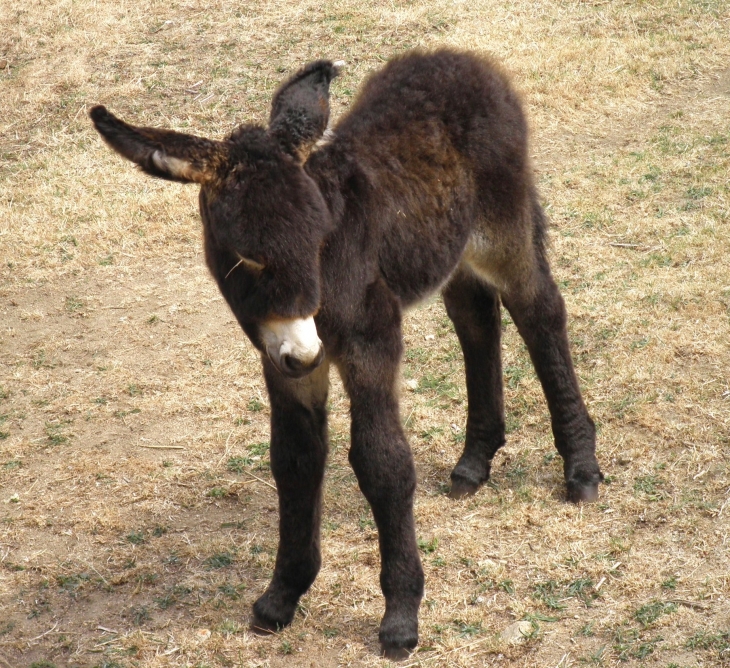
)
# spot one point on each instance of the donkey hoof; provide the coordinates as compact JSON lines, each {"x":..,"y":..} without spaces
{"x":582,"y":492}
{"x":260,"y":628}
{"x":461,"y":488}
{"x":395,"y":653}
{"x":270,"y":616}
{"x":398,"y":635}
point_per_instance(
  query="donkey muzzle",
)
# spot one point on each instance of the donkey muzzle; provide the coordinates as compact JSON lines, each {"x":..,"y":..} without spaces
{"x":293,"y":345}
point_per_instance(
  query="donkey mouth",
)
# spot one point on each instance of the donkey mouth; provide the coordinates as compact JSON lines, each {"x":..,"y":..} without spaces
{"x":293,"y":367}
{"x":293,"y":346}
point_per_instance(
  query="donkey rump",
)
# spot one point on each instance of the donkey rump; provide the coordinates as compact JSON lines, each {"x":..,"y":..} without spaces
{"x":424,"y":185}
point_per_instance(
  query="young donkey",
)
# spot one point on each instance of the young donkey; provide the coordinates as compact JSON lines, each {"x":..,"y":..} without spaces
{"x":425,"y":185}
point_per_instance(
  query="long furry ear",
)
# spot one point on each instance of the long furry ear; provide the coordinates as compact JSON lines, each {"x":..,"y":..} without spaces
{"x":300,"y":108}
{"x":163,"y":153}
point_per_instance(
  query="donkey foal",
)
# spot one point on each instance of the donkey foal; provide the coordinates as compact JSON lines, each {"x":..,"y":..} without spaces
{"x":424,"y":185}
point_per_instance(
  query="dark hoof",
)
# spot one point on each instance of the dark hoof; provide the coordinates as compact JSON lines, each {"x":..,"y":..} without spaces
{"x":461,"y":488}
{"x":260,"y":628}
{"x":398,"y":634}
{"x":468,"y":476}
{"x":395,"y":653}
{"x":270,"y":615}
{"x":583,"y":493}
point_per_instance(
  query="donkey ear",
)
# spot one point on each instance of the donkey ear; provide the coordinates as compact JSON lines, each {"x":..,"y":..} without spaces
{"x":163,"y":153}
{"x":300,"y":108}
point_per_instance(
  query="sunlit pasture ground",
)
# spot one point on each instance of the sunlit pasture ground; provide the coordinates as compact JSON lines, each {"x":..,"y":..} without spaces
{"x":138,"y":515}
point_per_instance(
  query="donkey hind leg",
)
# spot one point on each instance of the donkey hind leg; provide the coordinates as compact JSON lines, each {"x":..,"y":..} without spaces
{"x":538,"y":310}
{"x":383,"y":464}
{"x":473,"y":306}
{"x":298,"y":452}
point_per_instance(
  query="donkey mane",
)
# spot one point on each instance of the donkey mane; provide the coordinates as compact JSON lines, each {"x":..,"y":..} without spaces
{"x":424,"y":185}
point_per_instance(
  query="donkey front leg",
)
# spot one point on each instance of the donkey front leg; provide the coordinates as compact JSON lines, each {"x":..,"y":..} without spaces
{"x":383,"y":464}
{"x":538,"y":310}
{"x":298,"y":454}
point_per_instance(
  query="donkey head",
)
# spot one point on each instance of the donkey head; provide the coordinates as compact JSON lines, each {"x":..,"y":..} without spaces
{"x":264,"y":218}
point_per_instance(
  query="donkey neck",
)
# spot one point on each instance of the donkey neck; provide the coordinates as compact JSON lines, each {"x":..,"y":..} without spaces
{"x":330,"y":166}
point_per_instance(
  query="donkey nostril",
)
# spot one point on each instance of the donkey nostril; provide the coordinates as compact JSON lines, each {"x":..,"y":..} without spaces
{"x":291,"y":364}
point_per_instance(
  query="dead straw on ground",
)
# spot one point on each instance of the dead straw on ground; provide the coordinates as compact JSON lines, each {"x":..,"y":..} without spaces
{"x":139,"y":522}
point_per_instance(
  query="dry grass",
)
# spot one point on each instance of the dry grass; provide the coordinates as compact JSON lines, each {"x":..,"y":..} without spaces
{"x":114,"y":343}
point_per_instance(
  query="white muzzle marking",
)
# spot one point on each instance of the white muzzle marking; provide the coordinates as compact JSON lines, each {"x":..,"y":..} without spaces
{"x":296,"y":337}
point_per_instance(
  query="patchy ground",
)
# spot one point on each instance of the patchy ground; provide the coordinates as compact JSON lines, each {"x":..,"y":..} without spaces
{"x":138,"y":512}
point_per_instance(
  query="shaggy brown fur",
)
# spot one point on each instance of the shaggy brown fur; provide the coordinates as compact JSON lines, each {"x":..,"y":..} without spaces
{"x":425,"y":185}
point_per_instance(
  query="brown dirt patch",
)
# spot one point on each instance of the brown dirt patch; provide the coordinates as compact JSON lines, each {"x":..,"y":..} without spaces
{"x":136,"y":514}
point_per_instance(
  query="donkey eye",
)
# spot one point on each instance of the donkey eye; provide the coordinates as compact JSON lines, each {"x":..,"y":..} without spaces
{"x":253,"y":265}
{"x":247,"y":262}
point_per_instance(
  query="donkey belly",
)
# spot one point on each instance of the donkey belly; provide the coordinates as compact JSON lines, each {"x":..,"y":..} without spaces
{"x":418,"y":258}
